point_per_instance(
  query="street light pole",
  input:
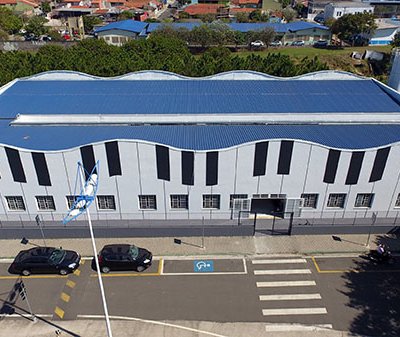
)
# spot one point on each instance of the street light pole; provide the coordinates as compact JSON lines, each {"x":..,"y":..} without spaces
{"x":103,"y":295}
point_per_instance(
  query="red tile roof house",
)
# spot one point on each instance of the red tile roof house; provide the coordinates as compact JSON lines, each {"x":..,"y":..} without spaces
{"x":247,"y":3}
{"x":201,"y":9}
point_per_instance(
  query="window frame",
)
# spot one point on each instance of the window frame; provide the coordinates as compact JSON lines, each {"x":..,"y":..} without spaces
{"x":148,"y":202}
{"x":337,"y":195}
{"x":106,"y":200}
{"x":181,"y":201}
{"x":208,"y":201}
{"x":236,"y":196}
{"x":397,"y":202}
{"x":363,"y":195}
{"x":306,"y":200}
{"x":18,"y":198}
{"x":47,"y":201}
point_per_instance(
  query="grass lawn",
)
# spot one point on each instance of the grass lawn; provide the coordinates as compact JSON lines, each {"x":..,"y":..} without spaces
{"x":271,"y":4}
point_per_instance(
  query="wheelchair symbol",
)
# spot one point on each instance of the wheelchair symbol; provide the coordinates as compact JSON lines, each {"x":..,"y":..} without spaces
{"x":203,"y":266}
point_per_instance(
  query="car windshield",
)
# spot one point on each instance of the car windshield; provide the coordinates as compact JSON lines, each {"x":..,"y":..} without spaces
{"x":56,"y":256}
{"x":134,"y":251}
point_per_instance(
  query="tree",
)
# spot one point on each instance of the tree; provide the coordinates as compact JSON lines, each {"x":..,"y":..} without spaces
{"x":89,"y":22}
{"x":258,"y":16}
{"x":125,"y":15}
{"x":285,"y":3}
{"x":289,"y":14}
{"x":45,"y":7}
{"x":266,"y":35}
{"x":3,"y":35}
{"x":396,"y":41}
{"x":242,"y":17}
{"x":36,"y":25}
{"x":350,"y":26}
{"x":9,"y":22}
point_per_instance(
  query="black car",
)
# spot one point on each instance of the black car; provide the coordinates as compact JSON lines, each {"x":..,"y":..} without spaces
{"x":124,"y":257}
{"x":45,"y":260}
{"x":321,"y":44}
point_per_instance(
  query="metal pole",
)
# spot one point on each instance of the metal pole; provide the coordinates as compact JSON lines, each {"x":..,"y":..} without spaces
{"x":370,"y":228}
{"x":39,"y":223}
{"x":34,"y":319}
{"x":103,"y":296}
{"x":202,"y":238}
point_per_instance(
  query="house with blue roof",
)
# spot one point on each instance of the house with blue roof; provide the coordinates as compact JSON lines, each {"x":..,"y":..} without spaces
{"x":120,"y":32}
{"x":238,"y":146}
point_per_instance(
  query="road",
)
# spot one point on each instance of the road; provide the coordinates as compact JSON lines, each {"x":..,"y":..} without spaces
{"x":345,"y":293}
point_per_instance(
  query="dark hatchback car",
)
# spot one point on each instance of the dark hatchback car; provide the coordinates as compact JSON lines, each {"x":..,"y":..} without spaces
{"x":45,"y":260}
{"x":124,"y":257}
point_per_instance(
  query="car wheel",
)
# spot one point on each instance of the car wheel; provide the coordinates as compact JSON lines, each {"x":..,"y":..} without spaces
{"x":26,"y":272}
{"x":105,"y":269}
{"x":140,"y":268}
{"x":63,"y":272}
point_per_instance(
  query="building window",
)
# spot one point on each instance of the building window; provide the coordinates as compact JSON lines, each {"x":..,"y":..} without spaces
{"x":336,"y":200}
{"x":147,"y":202}
{"x":179,"y":201}
{"x":310,"y":200}
{"x":114,"y":39}
{"x":45,"y":203}
{"x":364,"y":200}
{"x":106,"y":202}
{"x":260,"y":196}
{"x":397,"y":204}
{"x":70,"y":200}
{"x":235,"y":197}
{"x":277,"y":196}
{"x":211,"y":201}
{"x":15,"y":203}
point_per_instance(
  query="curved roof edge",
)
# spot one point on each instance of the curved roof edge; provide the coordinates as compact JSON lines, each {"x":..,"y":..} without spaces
{"x":144,"y":141}
{"x":165,"y":75}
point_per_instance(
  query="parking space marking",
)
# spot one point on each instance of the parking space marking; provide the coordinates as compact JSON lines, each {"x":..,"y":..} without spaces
{"x":77,"y":272}
{"x":70,"y":284}
{"x":31,"y":277}
{"x":59,"y":312}
{"x":134,"y":274}
{"x":244,"y":272}
{"x":65,"y":297}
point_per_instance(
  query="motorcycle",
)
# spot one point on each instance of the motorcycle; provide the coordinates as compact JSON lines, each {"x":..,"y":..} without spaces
{"x":385,"y":257}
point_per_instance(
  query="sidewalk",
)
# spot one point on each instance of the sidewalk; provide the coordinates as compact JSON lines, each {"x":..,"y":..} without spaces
{"x":244,"y":246}
{"x":190,"y":246}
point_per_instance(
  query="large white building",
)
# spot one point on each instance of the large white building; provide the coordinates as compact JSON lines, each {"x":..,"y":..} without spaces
{"x":319,"y":146}
{"x":335,"y":10}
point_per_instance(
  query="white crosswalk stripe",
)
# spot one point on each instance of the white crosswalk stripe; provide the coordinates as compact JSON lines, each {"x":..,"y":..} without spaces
{"x":278,"y":261}
{"x":296,"y":327}
{"x":285,"y":284}
{"x":290,"y":297}
{"x":273,"y":276}
{"x":294,"y":311}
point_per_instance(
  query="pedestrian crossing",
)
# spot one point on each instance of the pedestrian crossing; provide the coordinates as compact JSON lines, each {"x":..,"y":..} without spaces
{"x":288,"y":296}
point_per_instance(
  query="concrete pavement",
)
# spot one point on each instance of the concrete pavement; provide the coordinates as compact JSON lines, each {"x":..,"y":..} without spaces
{"x":190,"y":246}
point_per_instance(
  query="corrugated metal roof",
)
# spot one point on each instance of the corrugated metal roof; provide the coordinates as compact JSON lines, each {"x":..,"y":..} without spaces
{"x":199,"y":137}
{"x":246,"y":27}
{"x":188,"y":96}
{"x":127,"y":25}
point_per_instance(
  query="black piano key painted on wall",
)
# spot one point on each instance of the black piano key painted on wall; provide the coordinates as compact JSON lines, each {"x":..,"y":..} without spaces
{"x":355,"y":167}
{"x":162,"y":157}
{"x":14,"y":160}
{"x":331,"y":166}
{"x":88,"y":160}
{"x":113,"y":160}
{"x":379,"y":164}
{"x":260,"y":159}
{"x":187,"y":167}
{"x":42,"y":171}
{"x":212,"y":168}
{"x":285,"y":157}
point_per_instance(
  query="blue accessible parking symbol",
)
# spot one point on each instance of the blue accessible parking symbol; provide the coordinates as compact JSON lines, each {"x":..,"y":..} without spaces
{"x":203,"y":266}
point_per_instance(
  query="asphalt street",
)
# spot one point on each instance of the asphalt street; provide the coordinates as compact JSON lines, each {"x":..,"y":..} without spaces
{"x":327,"y":291}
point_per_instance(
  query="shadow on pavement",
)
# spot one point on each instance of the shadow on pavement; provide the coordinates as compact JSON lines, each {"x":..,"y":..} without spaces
{"x":374,"y":292}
